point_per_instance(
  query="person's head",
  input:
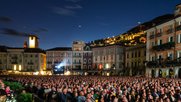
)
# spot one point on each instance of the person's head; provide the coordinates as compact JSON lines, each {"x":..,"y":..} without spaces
{"x":64,"y":90}
{"x":88,"y":96}
{"x":53,"y":89}
{"x":81,"y":93}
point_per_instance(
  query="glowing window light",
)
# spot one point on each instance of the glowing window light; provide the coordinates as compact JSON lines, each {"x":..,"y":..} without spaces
{"x":14,"y":67}
{"x":35,"y":73}
{"x":100,"y":66}
{"x":107,"y":66}
{"x":32,"y":42}
{"x":19,"y":67}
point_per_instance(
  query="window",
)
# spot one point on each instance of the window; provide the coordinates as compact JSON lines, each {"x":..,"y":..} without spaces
{"x":170,"y":39}
{"x":135,"y":64}
{"x":89,"y":60}
{"x":170,"y":55}
{"x":139,"y":53}
{"x":152,"y":58}
{"x":132,"y":54}
{"x":179,"y":38}
{"x":159,"y":42}
{"x":85,"y":61}
{"x":120,"y":57}
{"x":160,"y":31}
{"x":152,"y":43}
{"x":159,"y":56}
{"x":179,"y":22}
{"x":179,"y":54}
{"x":152,"y":33}
{"x":135,"y":53}
{"x":127,"y":55}
{"x":89,"y":67}
{"x":111,"y":57}
{"x":100,"y":58}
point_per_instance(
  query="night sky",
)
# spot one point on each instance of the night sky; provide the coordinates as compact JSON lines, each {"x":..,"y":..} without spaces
{"x":59,"y":22}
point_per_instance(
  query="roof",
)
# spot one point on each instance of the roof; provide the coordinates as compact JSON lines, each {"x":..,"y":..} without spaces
{"x":156,"y":21}
{"x":3,"y":48}
{"x":28,"y":50}
{"x":178,"y":4}
{"x":33,"y":50}
{"x":107,"y":46}
{"x":31,"y":35}
{"x":60,"y":49}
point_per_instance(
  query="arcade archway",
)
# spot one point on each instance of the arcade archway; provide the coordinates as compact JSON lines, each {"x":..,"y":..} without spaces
{"x":152,"y":73}
{"x":171,"y":73}
{"x":179,"y":73}
{"x":160,"y":73}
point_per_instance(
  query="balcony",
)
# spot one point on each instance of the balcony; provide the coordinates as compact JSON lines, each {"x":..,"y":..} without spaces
{"x":169,"y":31}
{"x":15,"y":57}
{"x":30,"y":63}
{"x":77,"y":56}
{"x":165,"y":63}
{"x":158,"y":34}
{"x":76,"y":62}
{"x":163,"y":47}
{"x":178,"y":28}
{"x":49,"y":62}
{"x":152,"y":36}
{"x":14,"y":62}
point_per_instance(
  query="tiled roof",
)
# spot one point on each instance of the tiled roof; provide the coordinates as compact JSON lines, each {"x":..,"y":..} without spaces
{"x":60,"y":49}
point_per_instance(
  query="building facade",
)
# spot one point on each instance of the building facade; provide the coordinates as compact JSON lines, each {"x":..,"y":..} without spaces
{"x":87,"y":58}
{"x":164,"y":48}
{"x":22,"y":60}
{"x":108,"y":58}
{"x":77,"y":55}
{"x":135,"y":57}
{"x":59,"y":55}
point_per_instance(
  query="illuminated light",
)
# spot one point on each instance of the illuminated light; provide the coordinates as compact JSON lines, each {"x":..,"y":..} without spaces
{"x":42,"y":72}
{"x":67,"y":73}
{"x":107,"y":66}
{"x":14,"y":67}
{"x":86,"y":73}
{"x":19,"y":67}
{"x":31,"y":42}
{"x":35,"y":73}
{"x":107,"y":74}
{"x":100,"y":66}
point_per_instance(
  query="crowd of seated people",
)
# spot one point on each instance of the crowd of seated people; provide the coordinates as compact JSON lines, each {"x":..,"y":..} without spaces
{"x":101,"y":88}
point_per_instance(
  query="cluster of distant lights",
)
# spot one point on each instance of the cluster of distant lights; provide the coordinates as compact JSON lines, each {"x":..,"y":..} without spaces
{"x":112,"y":40}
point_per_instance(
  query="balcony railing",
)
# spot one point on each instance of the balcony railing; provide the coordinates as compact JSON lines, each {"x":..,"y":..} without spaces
{"x":152,"y":36}
{"x":14,"y":62}
{"x":166,"y":63}
{"x":169,"y":31}
{"x":76,"y":62}
{"x":165,"y":46}
{"x":30,"y":63}
{"x":77,"y":56}
{"x":158,"y":34}
{"x":15,"y":57}
{"x":178,"y":28}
